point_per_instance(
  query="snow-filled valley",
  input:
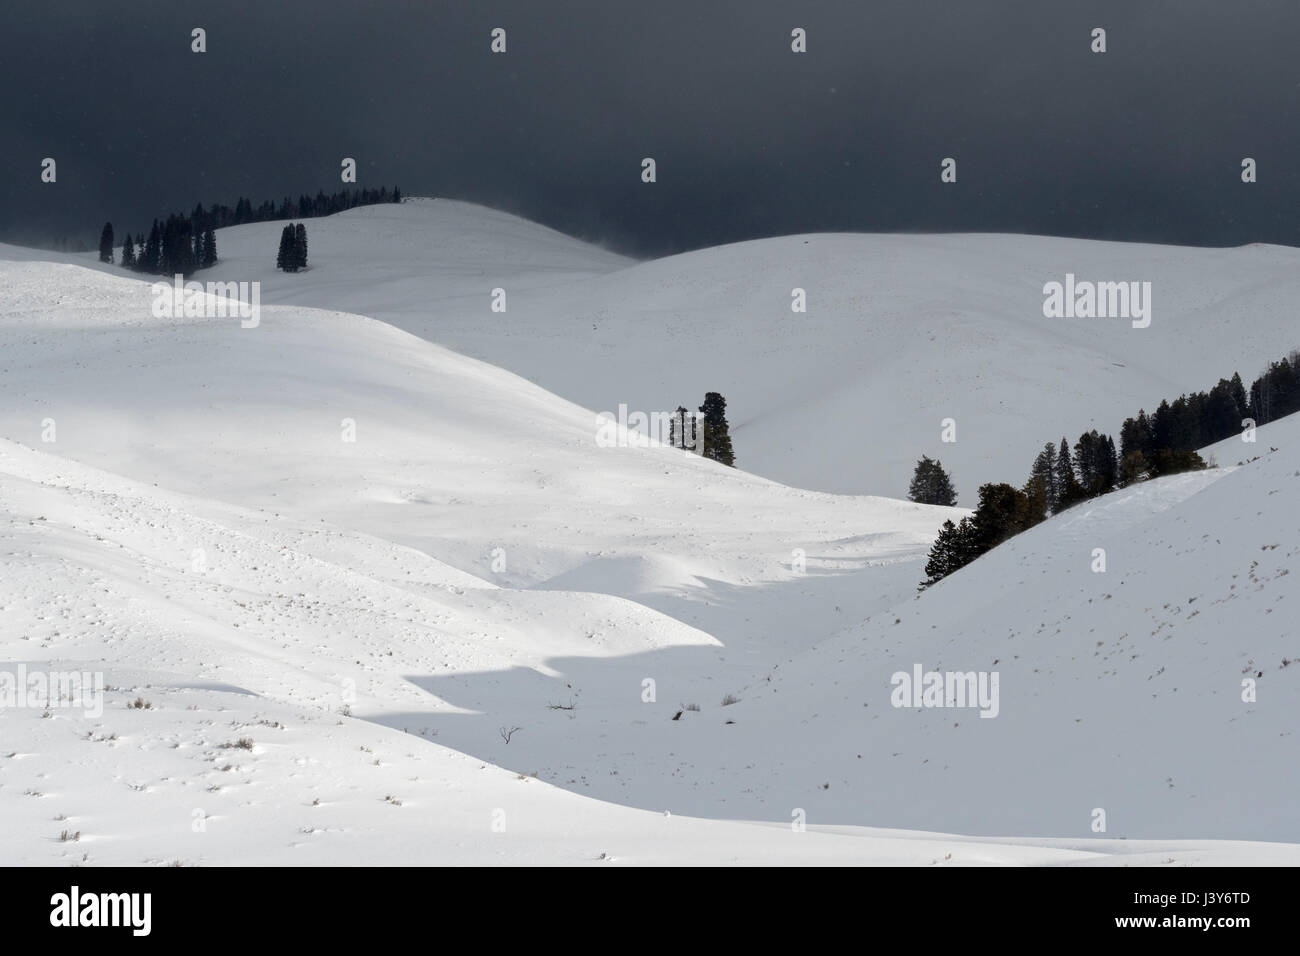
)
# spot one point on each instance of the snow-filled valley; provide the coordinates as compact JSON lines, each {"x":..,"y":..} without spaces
{"x":388,"y":600}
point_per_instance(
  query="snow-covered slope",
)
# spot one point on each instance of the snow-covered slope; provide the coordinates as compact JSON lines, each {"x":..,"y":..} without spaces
{"x":1120,"y":690}
{"x":249,"y":749}
{"x":318,"y":573}
{"x":901,"y":331}
{"x":376,"y":615}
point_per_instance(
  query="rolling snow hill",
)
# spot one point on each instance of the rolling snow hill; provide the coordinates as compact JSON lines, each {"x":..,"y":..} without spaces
{"x":371,"y":557}
{"x":901,"y":331}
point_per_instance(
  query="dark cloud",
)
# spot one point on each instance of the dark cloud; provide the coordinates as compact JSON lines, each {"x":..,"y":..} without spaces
{"x":1143,"y":142}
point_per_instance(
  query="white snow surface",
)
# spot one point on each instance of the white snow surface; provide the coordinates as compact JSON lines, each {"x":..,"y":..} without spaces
{"x":375,"y":616}
{"x":901,"y":331}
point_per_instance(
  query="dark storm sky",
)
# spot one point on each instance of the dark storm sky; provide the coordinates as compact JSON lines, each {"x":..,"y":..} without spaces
{"x":1143,"y":142}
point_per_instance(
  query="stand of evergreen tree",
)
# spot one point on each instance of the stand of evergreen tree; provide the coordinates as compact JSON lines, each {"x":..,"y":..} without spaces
{"x":293,"y":248}
{"x":1164,"y":443}
{"x":683,"y":429}
{"x":185,"y":243}
{"x":1203,"y":418}
{"x":174,"y":245}
{"x":1003,"y":512}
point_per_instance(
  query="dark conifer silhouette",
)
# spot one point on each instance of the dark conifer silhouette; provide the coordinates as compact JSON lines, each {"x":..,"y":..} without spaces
{"x":209,"y":257}
{"x":717,"y":437}
{"x":1162,"y":443}
{"x":284,"y":258}
{"x":293,"y":248}
{"x":183,"y":243}
{"x":106,"y":243}
{"x":951,"y":551}
{"x":930,"y":484}
{"x":1044,"y":471}
{"x":152,"y":251}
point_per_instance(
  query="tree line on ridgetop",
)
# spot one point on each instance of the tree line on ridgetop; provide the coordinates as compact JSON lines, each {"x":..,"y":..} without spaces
{"x":1162,"y":443}
{"x":186,"y":243}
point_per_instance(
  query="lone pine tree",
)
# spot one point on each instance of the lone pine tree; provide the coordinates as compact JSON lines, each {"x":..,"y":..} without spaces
{"x":931,"y":484}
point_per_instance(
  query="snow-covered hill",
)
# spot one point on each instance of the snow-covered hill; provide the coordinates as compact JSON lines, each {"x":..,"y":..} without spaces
{"x":901,"y":332}
{"x":262,"y":644}
{"x":427,"y":598}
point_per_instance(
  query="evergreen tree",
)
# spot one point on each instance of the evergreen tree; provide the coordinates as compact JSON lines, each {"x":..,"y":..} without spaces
{"x":300,"y":246}
{"x":1219,"y":412}
{"x":717,"y":437}
{"x":128,"y":253}
{"x":152,"y":251}
{"x":209,"y":248}
{"x":1095,"y":463}
{"x":1162,"y":427}
{"x":1134,"y":436}
{"x":1185,"y":425}
{"x":931,"y":484}
{"x":1064,"y":464}
{"x":1035,"y":503}
{"x":1085,"y":462}
{"x":106,"y":243}
{"x":949,"y":552}
{"x":1044,"y":471}
{"x":1146,"y":434}
{"x":177,"y":248}
{"x":677,"y":427}
{"x":167,"y":247}
{"x":283,"y":258}
{"x":1109,"y":465}
{"x":1238,"y":392}
{"x":1068,"y":489}
{"x":1000,"y":514}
